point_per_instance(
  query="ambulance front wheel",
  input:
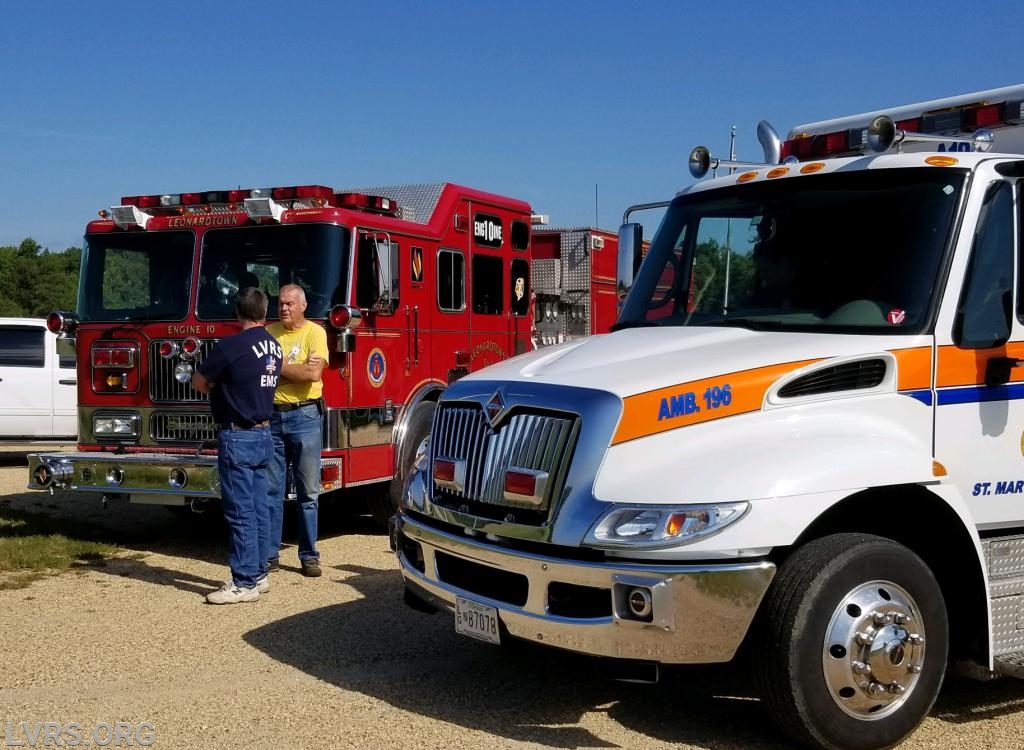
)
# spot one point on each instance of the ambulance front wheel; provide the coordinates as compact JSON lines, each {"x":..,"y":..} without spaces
{"x":385,"y":504}
{"x":851,"y":643}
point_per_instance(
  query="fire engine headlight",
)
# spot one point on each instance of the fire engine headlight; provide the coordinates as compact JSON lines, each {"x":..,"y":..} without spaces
{"x":183,"y":372}
{"x":657,"y":526}
{"x":124,"y":425}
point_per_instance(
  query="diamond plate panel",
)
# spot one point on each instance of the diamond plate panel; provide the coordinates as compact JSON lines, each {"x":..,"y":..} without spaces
{"x":547,"y":276}
{"x":415,"y":202}
{"x":1004,"y":557}
{"x":575,"y":250}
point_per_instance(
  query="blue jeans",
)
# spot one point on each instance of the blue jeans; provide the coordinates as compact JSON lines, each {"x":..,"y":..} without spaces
{"x":243,"y":458}
{"x":297,"y":444}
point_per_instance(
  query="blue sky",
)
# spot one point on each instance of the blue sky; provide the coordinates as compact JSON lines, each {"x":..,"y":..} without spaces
{"x":539,"y":101}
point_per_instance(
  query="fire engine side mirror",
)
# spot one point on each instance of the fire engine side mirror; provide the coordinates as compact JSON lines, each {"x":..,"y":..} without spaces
{"x":631,"y":240}
{"x":387,"y":271}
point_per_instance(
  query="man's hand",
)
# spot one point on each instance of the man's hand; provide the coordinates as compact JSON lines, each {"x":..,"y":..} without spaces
{"x":201,"y":384}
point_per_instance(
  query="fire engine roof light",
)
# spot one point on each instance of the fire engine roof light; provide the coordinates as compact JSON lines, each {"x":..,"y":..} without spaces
{"x":170,"y":200}
{"x":263,"y":208}
{"x":129,"y":216}
{"x":538,"y":219}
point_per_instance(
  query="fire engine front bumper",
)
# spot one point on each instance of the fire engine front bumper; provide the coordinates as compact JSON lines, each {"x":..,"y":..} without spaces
{"x":146,"y":477}
{"x":671,"y":614}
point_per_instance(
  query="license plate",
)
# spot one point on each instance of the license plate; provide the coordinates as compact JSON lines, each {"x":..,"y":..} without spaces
{"x":476,"y":620}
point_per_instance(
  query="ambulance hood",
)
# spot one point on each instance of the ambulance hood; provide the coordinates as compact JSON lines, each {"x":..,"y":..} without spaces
{"x":638,"y":360}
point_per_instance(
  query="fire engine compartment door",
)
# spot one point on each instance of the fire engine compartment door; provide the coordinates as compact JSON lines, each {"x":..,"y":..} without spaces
{"x":979,"y":427}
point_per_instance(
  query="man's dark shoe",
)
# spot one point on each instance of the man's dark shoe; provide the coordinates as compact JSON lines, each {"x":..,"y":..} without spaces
{"x":273,"y":564}
{"x":311,"y":568}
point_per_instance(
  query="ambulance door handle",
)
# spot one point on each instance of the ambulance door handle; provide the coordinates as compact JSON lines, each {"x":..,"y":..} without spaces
{"x":997,"y":369}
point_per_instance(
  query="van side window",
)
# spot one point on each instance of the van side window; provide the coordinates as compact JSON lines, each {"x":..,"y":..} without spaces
{"x":451,"y":280}
{"x":22,"y":347}
{"x":982,"y":319}
{"x":488,"y":288}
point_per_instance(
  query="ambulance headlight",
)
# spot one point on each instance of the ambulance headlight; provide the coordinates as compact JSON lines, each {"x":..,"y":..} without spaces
{"x":654,"y":526}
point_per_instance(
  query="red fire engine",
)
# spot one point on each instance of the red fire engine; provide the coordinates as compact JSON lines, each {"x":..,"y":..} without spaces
{"x":574,"y":282}
{"x":416,"y":285}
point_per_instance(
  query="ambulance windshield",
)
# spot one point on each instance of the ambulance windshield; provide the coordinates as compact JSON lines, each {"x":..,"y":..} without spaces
{"x":856,"y":251}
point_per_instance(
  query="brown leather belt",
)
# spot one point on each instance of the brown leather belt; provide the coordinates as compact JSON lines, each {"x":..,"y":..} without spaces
{"x":293,"y":407}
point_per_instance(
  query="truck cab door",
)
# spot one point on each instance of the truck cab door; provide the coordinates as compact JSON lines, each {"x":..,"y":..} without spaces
{"x":979,"y":411}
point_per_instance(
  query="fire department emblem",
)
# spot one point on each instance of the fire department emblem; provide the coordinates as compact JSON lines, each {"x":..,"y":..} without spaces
{"x":376,"y":367}
{"x":495,"y":407}
{"x":417,"y":264}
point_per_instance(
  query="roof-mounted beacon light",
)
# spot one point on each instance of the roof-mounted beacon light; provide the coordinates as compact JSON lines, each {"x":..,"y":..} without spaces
{"x":883,"y":135}
{"x":538,"y":219}
{"x":62,"y":322}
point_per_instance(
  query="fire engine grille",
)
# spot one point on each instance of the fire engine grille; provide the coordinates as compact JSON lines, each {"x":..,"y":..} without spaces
{"x":163,"y":387}
{"x":182,"y":427}
{"x":538,"y":442}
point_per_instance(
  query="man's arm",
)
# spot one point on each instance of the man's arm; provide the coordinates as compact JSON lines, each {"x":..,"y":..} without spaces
{"x":304,"y":372}
{"x":201,"y":383}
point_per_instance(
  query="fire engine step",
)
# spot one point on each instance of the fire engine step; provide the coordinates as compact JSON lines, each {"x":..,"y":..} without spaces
{"x":1011,"y":664}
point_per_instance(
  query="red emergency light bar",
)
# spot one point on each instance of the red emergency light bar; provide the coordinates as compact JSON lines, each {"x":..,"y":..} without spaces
{"x":854,"y":141}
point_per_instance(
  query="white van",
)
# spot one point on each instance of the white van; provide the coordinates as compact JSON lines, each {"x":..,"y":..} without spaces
{"x":38,"y":385}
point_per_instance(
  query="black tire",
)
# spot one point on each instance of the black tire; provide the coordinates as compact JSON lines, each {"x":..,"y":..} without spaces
{"x":383,"y":504}
{"x":816,"y":631}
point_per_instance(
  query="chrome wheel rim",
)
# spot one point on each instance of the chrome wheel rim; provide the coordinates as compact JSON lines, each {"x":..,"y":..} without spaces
{"x":874,"y":650}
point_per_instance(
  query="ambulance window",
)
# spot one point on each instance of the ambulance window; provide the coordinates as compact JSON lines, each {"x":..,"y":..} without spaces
{"x":519,"y":294}
{"x":451,"y":280}
{"x":520,"y":235}
{"x":488,"y":298}
{"x":983,"y":318}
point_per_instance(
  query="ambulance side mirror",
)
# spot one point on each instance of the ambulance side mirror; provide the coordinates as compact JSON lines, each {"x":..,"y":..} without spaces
{"x":631,"y":240}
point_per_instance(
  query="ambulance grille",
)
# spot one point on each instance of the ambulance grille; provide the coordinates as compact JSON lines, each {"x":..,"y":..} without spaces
{"x":183,"y":427}
{"x":162,"y":385}
{"x":540,"y":442}
{"x":850,"y":376}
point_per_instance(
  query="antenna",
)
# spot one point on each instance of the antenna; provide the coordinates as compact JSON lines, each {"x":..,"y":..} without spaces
{"x":596,"y":222}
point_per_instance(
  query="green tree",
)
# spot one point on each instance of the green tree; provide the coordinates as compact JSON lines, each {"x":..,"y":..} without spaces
{"x":35,"y":281}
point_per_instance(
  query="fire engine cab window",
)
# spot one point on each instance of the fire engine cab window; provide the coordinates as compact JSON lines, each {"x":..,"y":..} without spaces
{"x":488,"y":298}
{"x":520,"y":235}
{"x":373,"y":290}
{"x":136,"y":276}
{"x":983,"y":318}
{"x":451,"y":280}
{"x":520,"y":293}
{"x":314,"y":256}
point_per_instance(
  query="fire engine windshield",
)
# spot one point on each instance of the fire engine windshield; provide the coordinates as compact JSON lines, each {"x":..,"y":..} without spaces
{"x":855,"y":252}
{"x":135,"y":276}
{"x":314,"y":256}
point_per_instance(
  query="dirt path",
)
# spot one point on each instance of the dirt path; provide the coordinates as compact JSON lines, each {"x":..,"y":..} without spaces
{"x":341,"y":662}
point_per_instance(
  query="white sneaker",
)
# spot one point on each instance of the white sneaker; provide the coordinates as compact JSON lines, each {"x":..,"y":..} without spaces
{"x":229,"y":593}
{"x":263,"y":583}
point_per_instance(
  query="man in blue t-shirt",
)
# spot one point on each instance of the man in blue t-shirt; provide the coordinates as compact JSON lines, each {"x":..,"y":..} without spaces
{"x":240,"y":375}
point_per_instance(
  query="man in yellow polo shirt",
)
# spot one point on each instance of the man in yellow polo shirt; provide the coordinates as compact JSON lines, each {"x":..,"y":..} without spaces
{"x":296,"y":425}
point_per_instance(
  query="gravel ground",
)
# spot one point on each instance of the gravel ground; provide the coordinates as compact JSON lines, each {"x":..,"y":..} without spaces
{"x":340,"y":661}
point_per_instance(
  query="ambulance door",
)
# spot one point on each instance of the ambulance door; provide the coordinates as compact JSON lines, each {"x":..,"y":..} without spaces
{"x":979,"y":412}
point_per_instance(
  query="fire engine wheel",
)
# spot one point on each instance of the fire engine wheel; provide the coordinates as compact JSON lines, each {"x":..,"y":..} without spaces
{"x":851,"y":643}
{"x":385,"y":504}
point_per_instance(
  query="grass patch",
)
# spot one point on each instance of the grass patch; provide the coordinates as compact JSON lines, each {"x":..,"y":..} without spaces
{"x":34,"y":545}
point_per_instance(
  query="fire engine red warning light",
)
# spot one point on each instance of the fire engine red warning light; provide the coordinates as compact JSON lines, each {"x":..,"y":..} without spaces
{"x":168,"y":349}
{"x":330,"y":474}
{"x":113,"y":357}
{"x":444,"y":470}
{"x":190,"y":346}
{"x":339,"y":316}
{"x":520,"y":483}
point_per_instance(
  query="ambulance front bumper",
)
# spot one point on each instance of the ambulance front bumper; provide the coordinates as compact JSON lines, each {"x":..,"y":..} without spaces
{"x":697,"y":613}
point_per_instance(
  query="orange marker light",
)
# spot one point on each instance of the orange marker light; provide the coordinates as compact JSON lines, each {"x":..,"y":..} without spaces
{"x":938,"y":470}
{"x":942,"y":161}
{"x":746,"y":177}
{"x":814,"y":166}
{"x":777,"y":172}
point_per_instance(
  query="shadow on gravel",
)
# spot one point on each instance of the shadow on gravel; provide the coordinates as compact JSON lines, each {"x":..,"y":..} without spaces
{"x":963,"y":701}
{"x":378,"y":647}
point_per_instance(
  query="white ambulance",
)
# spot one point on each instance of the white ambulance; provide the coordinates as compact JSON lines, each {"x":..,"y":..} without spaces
{"x":803,"y":443}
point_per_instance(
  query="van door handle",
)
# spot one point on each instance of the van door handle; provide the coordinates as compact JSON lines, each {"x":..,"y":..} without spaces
{"x":72,"y":381}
